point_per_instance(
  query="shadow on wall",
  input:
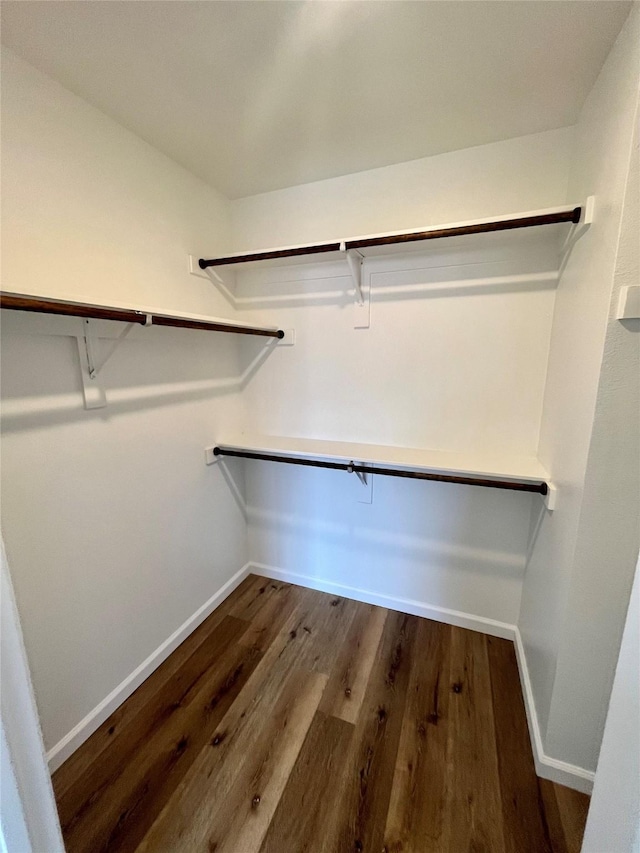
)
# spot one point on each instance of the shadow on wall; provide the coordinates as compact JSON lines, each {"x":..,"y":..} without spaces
{"x":461,"y":546}
{"x":42,"y":386}
{"x":527,"y":265}
{"x":490,"y":285}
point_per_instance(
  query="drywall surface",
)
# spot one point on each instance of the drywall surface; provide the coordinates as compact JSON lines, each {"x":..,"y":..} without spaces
{"x":614,"y":814}
{"x":579,"y":575}
{"x":93,"y":213}
{"x":526,"y":173}
{"x":115,"y":530}
{"x":428,"y":372}
{"x":608,"y":537}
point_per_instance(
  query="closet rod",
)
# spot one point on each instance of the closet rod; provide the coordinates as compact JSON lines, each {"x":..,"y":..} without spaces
{"x":270,"y":255}
{"x":477,"y":228}
{"x":408,"y":237}
{"x":538,"y":488}
{"x":97,"y":312}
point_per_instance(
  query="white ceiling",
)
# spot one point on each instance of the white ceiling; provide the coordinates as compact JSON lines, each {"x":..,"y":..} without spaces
{"x":254,"y":95}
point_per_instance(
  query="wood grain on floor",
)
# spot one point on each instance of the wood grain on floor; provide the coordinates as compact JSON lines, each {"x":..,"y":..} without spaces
{"x":292,"y":721}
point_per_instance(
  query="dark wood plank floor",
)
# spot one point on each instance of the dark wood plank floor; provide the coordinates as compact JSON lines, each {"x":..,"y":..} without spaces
{"x":295,"y":721}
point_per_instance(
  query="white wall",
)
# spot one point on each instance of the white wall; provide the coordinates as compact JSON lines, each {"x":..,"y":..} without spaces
{"x":116,"y":531}
{"x":429,"y":372}
{"x":133,"y":534}
{"x":609,"y":529}
{"x":578,"y":579}
{"x":518,"y":174}
{"x":92,"y":212}
{"x":614,"y":814}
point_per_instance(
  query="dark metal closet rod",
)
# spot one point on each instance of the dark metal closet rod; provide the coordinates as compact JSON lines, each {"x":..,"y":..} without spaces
{"x":478,"y":228}
{"x":409,"y":237}
{"x":96,"y":312}
{"x":538,"y":488}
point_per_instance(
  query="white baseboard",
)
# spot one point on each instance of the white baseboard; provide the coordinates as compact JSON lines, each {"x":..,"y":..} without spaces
{"x":58,"y":754}
{"x":547,"y":767}
{"x":404,"y":605}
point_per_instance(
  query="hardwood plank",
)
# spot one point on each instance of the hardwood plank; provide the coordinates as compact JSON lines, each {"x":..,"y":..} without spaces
{"x":564,"y":812}
{"x":254,"y":596}
{"x":350,"y":674}
{"x":552,"y":818}
{"x":474,"y":807}
{"x":360,"y":817}
{"x":240,"y":727}
{"x":268,"y":620}
{"x":429,"y":752}
{"x":308,"y":801}
{"x":179,"y":664}
{"x":573,"y":807}
{"x":524,"y":825}
{"x":243,"y":792}
{"x":415,"y":820}
{"x":304,"y":641}
{"x":238,"y":594}
{"x":154,"y":701}
{"x":128,"y":727}
{"x":319,"y":631}
{"x":243,"y":820}
{"x":127,"y":794}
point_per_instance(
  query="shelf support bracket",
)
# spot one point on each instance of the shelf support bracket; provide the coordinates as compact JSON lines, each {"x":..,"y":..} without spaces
{"x":361,"y":475}
{"x":90,"y":365}
{"x":92,"y":390}
{"x":362,"y":306}
{"x":355,"y":260}
{"x":93,"y":365}
{"x":366,"y":497}
{"x":89,"y":352}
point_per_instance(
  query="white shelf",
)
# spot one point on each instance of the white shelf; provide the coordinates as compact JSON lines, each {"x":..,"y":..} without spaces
{"x":127,"y":313}
{"x":556,"y":222}
{"x":525,"y":469}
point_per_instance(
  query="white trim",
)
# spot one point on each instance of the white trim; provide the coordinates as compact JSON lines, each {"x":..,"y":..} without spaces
{"x":21,"y":728}
{"x":404,"y":605}
{"x":14,"y":834}
{"x":94,"y":719}
{"x":546,"y":766}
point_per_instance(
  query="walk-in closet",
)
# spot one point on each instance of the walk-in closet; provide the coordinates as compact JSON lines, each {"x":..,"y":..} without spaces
{"x":320,"y":409}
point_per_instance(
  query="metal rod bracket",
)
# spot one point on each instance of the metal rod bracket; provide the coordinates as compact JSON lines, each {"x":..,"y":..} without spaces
{"x":578,"y":229}
{"x":360,"y":473}
{"x":90,"y":365}
{"x":93,"y":365}
{"x":355,"y":260}
{"x":362,"y":476}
